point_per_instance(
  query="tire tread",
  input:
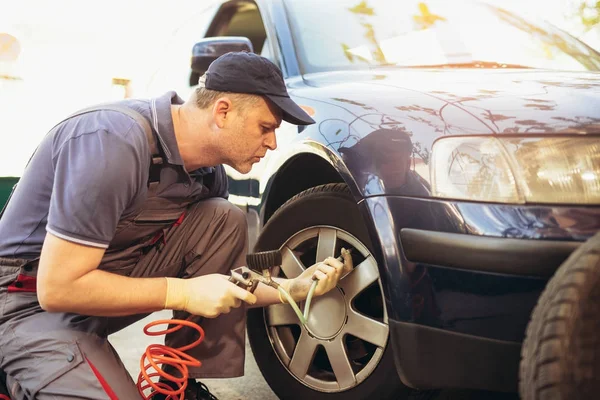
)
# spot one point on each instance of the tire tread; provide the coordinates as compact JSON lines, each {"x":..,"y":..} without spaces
{"x":561,"y":337}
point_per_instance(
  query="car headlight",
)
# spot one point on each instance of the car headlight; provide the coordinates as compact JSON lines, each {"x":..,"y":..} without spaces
{"x":557,"y":170}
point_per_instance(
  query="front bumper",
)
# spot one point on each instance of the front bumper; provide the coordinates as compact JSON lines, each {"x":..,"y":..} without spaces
{"x":519,"y":257}
{"x":462,"y":279}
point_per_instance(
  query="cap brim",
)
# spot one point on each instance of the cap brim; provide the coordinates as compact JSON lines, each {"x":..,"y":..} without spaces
{"x":292,"y":112}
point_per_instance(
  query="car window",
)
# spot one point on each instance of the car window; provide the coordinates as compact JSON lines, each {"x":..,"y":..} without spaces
{"x":232,"y":19}
{"x":244,"y":19}
{"x":352,"y":34}
{"x":266,"y":50}
{"x":171,"y":64}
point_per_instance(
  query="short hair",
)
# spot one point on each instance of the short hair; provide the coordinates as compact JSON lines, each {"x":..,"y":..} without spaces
{"x":207,"y":97}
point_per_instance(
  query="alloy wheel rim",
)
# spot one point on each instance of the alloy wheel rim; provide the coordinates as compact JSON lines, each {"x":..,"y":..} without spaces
{"x":336,"y":330}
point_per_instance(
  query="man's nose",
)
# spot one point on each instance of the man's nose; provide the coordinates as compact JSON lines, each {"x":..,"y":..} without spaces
{"x":271,"y":141}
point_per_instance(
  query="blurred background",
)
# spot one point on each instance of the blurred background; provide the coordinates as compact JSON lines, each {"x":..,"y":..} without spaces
{"x":57,"y":56}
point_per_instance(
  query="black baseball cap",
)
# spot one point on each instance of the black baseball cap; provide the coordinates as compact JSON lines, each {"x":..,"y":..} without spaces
{"x":244,"y":72}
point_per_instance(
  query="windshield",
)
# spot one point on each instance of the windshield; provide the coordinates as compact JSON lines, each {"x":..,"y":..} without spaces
{"x":357,"y":34}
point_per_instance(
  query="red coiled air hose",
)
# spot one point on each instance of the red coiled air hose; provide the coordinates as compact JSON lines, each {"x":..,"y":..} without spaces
{"x":158,"y":354}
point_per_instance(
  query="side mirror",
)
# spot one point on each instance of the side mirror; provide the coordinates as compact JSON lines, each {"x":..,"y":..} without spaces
{"x":208,"y":50}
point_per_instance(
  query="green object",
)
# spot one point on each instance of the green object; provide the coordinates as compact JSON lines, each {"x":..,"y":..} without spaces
{"x":311,"y":292}
{"x":302,"y":317}
{"x":6,"y":185}
{"x":292,"y":303}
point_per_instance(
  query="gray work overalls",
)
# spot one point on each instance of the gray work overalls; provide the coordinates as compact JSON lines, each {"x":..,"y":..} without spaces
{"x":63,"y":355}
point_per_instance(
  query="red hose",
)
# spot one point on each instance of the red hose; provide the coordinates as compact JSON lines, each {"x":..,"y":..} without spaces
{"x":158,"y":354}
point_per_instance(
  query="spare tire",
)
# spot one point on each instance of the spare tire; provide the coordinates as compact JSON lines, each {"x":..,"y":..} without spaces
{"x":560,"y":358}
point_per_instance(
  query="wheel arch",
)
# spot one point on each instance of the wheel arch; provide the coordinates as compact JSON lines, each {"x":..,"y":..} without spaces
{"x":302,"y":171}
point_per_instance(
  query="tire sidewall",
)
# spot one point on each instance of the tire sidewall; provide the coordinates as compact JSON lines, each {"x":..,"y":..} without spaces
{"x":338,"y":209}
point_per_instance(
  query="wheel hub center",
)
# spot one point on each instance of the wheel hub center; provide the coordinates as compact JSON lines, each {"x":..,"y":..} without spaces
{"x":327,"y":315}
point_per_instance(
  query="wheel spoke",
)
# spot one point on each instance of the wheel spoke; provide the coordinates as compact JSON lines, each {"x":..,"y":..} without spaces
{"x":360,"y":278}
{"x":301,"y":362}
{"x":303,"y":355}
{"x":281,"y":314}
{"x":326,"y":244}
{"x":367,"y":329}
{"x":290,"y":264}
{"x":338,"y":358}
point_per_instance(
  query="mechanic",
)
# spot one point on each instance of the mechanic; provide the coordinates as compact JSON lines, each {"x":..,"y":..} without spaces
{"x":109,"y":224}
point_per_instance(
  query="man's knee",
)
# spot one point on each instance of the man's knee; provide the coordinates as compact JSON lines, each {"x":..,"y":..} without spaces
{"x":217,"y":222}
{"x":216,"y":237}
{"x":234,"y":216}
{"x":235,"y":226}
{"x":225,"y":214}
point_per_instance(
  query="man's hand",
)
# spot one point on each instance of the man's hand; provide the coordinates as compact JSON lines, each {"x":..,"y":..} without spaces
{"x":208,"y":296}
{"x":329,"y":272}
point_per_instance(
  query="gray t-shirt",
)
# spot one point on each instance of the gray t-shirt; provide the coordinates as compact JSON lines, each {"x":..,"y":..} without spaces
{"x":87,"y":174}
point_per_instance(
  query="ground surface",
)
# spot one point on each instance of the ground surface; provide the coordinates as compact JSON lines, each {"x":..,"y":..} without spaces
{"x":131,"y":342}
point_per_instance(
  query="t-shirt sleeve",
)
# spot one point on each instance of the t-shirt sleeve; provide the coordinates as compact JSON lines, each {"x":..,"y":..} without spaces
{"x":96,"y":176}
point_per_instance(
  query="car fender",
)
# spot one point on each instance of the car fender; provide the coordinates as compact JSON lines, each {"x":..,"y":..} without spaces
{"x":277,"y":169}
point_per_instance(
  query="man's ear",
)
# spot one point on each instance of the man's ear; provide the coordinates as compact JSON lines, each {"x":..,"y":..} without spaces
{"x":221,"y":110}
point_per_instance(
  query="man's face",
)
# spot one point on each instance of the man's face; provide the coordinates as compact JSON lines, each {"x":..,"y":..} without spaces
{"x":252,"y":134}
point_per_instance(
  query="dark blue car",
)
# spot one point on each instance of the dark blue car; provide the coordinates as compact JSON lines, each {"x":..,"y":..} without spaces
{"x":457,"y":153}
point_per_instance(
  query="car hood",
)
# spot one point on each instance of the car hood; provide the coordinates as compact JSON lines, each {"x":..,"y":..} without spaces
{"x":464,"y":101}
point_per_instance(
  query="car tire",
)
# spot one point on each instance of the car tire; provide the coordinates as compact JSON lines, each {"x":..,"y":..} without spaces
{"x":560,"y":358}
{"x":329,"y":206}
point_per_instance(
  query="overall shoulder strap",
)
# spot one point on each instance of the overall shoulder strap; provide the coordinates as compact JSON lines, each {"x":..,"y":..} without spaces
{"x":139,"y":118}
{"x":156,"y":158}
